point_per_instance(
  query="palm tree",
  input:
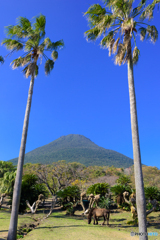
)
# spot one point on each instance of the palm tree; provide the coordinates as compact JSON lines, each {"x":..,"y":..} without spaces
{"x":117,"y":23}
{"x":29,"y":37}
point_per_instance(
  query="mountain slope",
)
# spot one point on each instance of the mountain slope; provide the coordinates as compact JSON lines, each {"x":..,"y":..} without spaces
{"x":76,"y":148}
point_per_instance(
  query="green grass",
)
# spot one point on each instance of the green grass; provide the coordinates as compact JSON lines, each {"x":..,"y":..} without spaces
{"x":61,"y":227}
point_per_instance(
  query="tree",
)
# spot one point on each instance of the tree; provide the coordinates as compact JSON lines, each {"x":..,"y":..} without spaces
{"x":7,"y":182}
{"x":6,"y":167}
{"x":29,"y":37}
{"x":98,"y":188}
{"x":117,"y":23}
{"x":58,"y":175}
{"x":124,"y":180}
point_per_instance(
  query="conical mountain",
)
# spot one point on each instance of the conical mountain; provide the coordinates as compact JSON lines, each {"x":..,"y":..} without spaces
{"x":76,"y":148}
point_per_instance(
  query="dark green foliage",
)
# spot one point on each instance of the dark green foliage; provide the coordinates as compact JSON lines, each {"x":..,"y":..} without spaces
{"x":30,"y":190}
{"x":76,"y":148}
{"x":124,"y":180}
{"x":152,"y":193}
{"x":125,"y":206}
{"x":68,"y":194}
{"x":120,"y":189}
{"x":105,"y":202}
{"x":98,"y":188}
{"x":1,"y":59}
{"x":6,"y":167}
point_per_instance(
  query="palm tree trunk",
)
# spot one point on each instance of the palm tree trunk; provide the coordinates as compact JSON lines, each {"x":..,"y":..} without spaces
{"x":140,"y":197}
{"x":12,"y":233}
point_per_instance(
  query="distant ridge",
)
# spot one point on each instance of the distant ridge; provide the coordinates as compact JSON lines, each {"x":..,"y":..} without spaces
{"x":76,"y":148}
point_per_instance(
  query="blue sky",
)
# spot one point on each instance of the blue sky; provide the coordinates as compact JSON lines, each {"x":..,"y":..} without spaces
{"x":85,"y":94}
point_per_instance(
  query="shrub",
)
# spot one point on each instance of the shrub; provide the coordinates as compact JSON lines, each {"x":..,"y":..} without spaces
{"x":98,"y":188}
{"x":105,"y":203}
{"x":152,"y":193}
{"x":30,"y":191}
{"x":68,"y":194}
{"x":120,"y":189}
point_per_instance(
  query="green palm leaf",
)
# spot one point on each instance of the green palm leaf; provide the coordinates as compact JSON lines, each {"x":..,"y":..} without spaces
{"x":54,"y":55}
{"x":1,"y":59}
{"x":49,"y":64}
{"x":116,"y":23}
{"x":28,"y":36}
{"x":12,"y":44}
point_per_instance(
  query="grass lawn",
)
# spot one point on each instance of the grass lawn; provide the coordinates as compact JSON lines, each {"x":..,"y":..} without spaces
{"x":61,"y":227}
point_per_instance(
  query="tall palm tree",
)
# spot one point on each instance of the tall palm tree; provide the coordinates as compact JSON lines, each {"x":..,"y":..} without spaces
{"x":30,"y":37}
{"x":117,"y":24}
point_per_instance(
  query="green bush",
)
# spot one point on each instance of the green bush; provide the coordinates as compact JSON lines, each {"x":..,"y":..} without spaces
{"x":105,"y":202}
{"x":120,"y":189}
{"x":123,"y":180}
{"x":68,"y":194}
{"x":30,"y":190}
{"x":98,"y":188}
{"x":152,"y":193}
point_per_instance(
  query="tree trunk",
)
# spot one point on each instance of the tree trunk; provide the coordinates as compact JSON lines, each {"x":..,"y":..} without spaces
{"x":12,"y":233}
{"x":140,"y":197}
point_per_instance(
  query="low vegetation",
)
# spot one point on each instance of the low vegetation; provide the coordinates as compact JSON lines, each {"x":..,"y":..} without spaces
{"x":67,"y":181}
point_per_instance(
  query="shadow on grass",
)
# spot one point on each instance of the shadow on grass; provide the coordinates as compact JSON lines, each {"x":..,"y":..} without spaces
{"x":71,"y":226}
{"x":63,"y":226}
{"x":117,"y":220}
{"x":75,"y":217}
{"x":155,"y":225}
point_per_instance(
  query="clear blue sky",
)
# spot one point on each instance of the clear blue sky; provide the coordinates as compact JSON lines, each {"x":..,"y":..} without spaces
{"x":85,"y":94}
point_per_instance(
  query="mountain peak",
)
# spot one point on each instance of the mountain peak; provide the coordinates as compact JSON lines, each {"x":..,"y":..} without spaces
{"x":76,"y":148}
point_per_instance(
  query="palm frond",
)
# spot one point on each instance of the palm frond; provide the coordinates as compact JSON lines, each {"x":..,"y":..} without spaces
{"x":29,"y":44}
{"x":136,"y":11}
{"x":1,"y":59}
{"x":53,"y":45}
{"x":27,"y":59}
{"x":115,"y":46}
{"x":143,"y":32}
{"x":40,"y":48}
{"x":12,"y":44}
{"x":106,"y":41}
{"x":119,"y":58}
{"x":106,"y":23}
{"x":29,"y":36}
{"x":148,"y":11}
{"x":21,"y":30}
{"x":47,"y":42}
{"x":21,"y":61}
{"x":36,"y":70}
{"x":49,"y":64}
{"x":93,"y":34}
{"x":39,"y":25}
{"x":135,"y":56}
{"x":57,"y":45}
{"x":24,"y":71}
{"x":30,"y":69}
{"x":24,"y":23}
{"x":95,"y":14}
{"x":111,"y":46}
{"x":54,"y":55}
{"x":17,"y":63}
{"x":152,"y":33}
